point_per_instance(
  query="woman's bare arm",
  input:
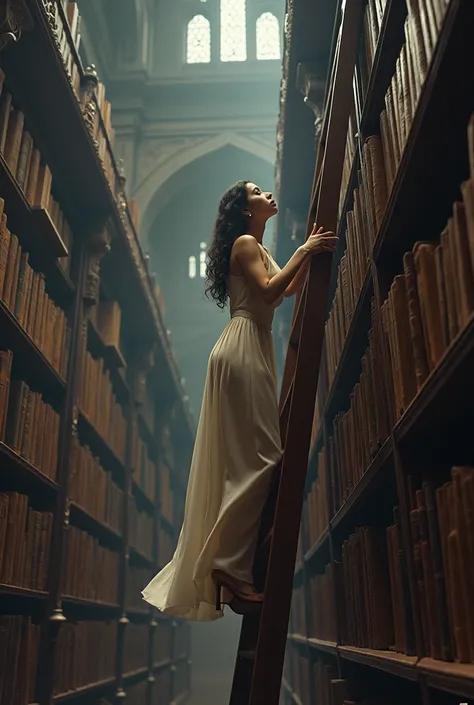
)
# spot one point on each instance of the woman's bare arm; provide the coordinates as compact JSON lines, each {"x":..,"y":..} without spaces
{"x":247,"y":253}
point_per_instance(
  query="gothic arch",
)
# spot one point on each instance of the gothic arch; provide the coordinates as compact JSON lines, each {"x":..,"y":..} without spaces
{"x":153,"y":191}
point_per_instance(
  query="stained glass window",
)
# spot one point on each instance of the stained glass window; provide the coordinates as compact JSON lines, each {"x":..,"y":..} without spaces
{"x":198,"y":41}
{"x":233,"y":30}
{"x":268,"y":37}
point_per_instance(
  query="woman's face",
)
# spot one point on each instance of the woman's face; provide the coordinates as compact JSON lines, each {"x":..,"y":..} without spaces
{"x":260,"y":204}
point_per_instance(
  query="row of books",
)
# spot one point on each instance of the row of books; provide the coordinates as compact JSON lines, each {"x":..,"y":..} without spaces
{"x":162,"y":687}
{"x":27,"y":166}
{"x":19,"y":650}
{"x":136,"y":647}
{"x":181,"y":679}
{"x":349,"y":155}
{"x":144,"y":469}
{"x":297,"y":672}
{"x":181,"y":639}
{"x":91,"y":571}
{"x":136,"y":578}
{"x":29,"y":424}
{"x":163,"y":641}
{"x":99,"y":404}
{"x":23,"y":291}
{"x":93,"y":488}
{"x":443,"y":550}
{"x":373,"y":18}
{"x":363,"y":222}
{"x":380,"y":160}
{"x":422,"y":27}
{"x":432,"y":300}
{"x":25,"y":540}
{"x":166,"y":547}
{"x":141,"y":530}
{"x":166,"y":494}
{"x":138,"y":693}
{"x":85,"y":654}
{"x":426,"y":308}
{"x":364,"y":595}
{"x":315,"y":518}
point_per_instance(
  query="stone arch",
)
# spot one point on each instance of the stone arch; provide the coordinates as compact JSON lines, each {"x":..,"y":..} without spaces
{"x":155,"y":188}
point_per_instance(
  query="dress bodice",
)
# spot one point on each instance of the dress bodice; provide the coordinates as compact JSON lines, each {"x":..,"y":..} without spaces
{"x":247,"y":302}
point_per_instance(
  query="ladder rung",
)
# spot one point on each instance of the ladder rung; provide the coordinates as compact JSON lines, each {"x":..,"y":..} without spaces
{"x":247,"y":654}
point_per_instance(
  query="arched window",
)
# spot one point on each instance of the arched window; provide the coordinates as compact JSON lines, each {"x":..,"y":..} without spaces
{"x":202,"y":261}
{"x":268,"y":37}
{"x":198,"y":40}
{"x":233,"y":30}
{"x":192,"y":267}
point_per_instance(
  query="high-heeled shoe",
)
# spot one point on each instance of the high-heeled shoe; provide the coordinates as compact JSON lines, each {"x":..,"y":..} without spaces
{"x":241,"y":602}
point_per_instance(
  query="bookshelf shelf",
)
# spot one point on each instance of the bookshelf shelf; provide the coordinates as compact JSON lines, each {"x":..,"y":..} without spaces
{"x":34,"y":225}
{"x":448,"y":385}
{"x":318,"y":546}
{"x":81,"y":518}
{"x":21,"y":474}
{"x":161,"y":665}
{"x":353,"y":347}
{"x":375,"y":473}
{"x":143,"y":499}
{"x":396,"y":664}
{"x":23,"y":593}
{"x":26,"y":352}
{"x":86,"y":691}
{"x":456,"y":678}
{"x":167,"y":524}
{"x":136,"y":675}
{"x":329,"y":647}
{"x":140,"y":557}
{"x":76,"y":603}
{"x":99,"y":445}
{"x":52,"y":238}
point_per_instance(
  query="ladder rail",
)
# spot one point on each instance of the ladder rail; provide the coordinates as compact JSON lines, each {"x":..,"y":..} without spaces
{"x":297,"y":403}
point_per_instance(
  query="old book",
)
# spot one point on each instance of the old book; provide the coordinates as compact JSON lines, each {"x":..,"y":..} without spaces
{"x":13,"y":139}
{"x":24,"y":159}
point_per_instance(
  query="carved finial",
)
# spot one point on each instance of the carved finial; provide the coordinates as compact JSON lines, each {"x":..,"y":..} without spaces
{"x":90,"y":74}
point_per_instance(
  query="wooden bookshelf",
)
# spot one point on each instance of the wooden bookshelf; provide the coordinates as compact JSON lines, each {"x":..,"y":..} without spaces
{"x":91,"y":408}
{"x":391,"y":459}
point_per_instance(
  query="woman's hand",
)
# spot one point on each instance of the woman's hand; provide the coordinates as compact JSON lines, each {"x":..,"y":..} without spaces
{"x":319,"y":242}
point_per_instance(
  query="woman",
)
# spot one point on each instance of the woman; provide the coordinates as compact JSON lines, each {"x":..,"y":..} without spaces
{"x":237,"y":442}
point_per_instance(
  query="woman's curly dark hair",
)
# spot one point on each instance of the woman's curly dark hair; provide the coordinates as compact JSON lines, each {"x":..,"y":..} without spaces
{"x":230,"y":224}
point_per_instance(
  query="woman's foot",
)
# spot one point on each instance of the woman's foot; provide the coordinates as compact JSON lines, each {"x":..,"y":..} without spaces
{"x":244,"y":597}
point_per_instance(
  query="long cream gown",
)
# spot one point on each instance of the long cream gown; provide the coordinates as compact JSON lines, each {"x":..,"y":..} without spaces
{"x":236,"y":449}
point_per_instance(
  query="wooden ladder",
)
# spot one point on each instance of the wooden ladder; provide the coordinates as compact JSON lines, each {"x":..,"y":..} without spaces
{"x":259,"y":664}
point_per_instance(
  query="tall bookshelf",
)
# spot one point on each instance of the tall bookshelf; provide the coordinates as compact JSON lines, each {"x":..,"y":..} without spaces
{"x":383,"y":608}
{"x":95,"y":431}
